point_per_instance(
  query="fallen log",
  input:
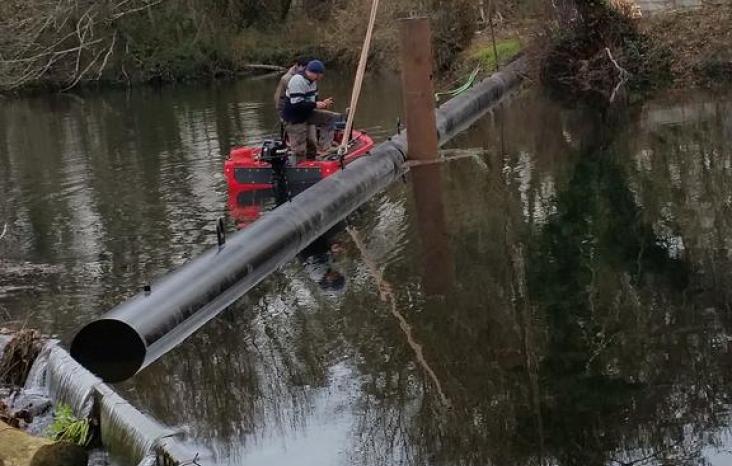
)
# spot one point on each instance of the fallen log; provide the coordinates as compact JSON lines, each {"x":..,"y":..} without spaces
{"x":18,"y":448}
{"x":262,"y":67}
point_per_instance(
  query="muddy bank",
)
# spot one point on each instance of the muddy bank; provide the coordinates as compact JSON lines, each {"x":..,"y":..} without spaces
{"x":699,"y":43}
{"x":600,"y":51}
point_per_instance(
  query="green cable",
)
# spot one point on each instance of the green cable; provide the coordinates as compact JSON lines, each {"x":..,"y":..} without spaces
{"x":468,"y":84}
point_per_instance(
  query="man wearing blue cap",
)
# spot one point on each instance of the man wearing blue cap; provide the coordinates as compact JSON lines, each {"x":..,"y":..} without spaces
{"x":303,"y":109}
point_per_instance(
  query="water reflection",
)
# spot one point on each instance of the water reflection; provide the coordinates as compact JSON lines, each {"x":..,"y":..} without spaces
{"x":587,"y":323}
{"x":247,"y":205}
{"x":105,"y":191}
{"x":437,"y":268}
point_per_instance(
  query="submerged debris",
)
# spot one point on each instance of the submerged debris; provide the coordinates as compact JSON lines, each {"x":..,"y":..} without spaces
{"x":19,"y":356}
{"x":26,"y":411}
{"x":700,"y":39}
{"x":601,"y":52}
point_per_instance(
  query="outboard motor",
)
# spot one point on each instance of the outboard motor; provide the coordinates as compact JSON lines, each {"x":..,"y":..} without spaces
{"x":276,"y":154}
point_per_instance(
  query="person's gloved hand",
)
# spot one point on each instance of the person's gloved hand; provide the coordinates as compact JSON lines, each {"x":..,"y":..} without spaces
{"x":327,"y":103}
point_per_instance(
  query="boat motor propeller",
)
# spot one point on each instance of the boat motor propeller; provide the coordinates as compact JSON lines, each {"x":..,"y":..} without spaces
{"x":275,"y":153}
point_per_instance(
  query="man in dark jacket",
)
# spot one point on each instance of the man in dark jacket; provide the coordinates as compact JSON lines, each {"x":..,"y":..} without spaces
{"x":302,"y":109}
{"x":280,"y":93}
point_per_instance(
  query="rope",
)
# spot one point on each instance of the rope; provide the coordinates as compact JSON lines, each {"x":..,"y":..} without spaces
{"x":387,"y":295}
{"x":360,"y":71}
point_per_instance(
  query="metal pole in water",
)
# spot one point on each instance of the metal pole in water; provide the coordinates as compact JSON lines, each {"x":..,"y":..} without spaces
{"x":422,"y":141}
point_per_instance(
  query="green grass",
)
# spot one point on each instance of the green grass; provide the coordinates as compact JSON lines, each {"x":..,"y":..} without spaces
{"x":507,"y":49}
{"x":68,"y":428}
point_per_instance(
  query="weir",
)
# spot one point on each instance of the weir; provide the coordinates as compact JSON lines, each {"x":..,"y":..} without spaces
{"x":126,"y":433}
{"x":143,"y":328}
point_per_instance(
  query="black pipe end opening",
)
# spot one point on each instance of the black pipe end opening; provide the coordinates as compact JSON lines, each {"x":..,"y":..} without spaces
{"x":110,"y":349}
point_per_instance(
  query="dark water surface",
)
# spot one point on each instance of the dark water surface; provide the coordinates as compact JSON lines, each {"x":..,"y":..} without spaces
{"x":573,"y":307}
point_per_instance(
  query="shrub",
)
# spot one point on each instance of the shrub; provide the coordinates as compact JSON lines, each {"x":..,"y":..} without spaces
{"x":68,"y":428}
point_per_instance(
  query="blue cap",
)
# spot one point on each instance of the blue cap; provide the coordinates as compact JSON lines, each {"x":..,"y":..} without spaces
{"x":316,"y":66}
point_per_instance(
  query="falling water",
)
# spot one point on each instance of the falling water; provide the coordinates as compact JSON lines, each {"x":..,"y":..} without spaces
{"x":125,"y":430}
{"x":63,"y":379}
{"x":36,"y":379}
{"x":148,"y":461}
{"x":127,"y":433}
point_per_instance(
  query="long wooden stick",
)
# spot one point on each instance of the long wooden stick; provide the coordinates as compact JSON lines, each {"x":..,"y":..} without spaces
{"x":359,"y":77}
{"x":493,"y":35}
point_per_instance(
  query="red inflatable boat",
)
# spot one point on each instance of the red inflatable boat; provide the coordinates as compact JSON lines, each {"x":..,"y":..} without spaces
{"x":255,"y":175}
{"x":246,"y":169}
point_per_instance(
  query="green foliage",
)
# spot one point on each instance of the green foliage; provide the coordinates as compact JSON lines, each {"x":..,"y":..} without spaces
{"x":174,"y":43}
{"x":453,"y":27}
{"x":506,"y":49}
{"x":68,"y":428}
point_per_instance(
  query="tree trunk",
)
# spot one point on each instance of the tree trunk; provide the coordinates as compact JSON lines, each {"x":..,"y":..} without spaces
{"x":18,"y":448}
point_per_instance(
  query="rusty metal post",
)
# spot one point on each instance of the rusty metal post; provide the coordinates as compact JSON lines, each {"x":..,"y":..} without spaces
{"x":422,"y":145}
{"x":417,"y":88}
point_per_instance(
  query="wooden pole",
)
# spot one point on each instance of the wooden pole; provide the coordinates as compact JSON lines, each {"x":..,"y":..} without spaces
{"x":422,"y":145}
{"x":493,"y":35}
{"x":417,"y":88}
{"x":360,"y":71}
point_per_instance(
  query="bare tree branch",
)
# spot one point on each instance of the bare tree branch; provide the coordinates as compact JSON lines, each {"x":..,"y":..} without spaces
{"x":106,"y":57}
{"x":69,"y":41}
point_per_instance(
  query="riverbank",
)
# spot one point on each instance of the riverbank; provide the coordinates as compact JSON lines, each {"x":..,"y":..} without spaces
{"x":158,"y":43}
{"x":699,"y":41}
{"x":33,"y":430}
{"x":88,"y":42}
{"x":668,"y":49}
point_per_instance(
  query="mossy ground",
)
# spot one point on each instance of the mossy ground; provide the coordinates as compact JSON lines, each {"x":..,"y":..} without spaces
{"x":485,"y":55}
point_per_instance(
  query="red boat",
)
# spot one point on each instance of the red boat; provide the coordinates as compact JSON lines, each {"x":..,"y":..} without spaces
{"x":259,"y":177}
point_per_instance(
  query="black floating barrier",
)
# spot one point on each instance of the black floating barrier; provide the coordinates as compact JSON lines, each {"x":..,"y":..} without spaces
{"x":140,"y":330}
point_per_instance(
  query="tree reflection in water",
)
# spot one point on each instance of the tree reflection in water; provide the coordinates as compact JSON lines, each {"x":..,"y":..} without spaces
{"x":587,"y":324}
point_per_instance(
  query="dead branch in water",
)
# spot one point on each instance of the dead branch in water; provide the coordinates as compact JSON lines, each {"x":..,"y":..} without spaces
{"x":19,"y":356}
{"x":5,"y":231}
{"x":623,"y":73}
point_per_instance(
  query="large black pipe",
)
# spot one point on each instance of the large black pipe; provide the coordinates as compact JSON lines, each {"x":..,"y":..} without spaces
{"x":143,"y":328}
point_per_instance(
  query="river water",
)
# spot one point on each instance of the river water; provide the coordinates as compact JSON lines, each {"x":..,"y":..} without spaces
{"x":571,"y":307}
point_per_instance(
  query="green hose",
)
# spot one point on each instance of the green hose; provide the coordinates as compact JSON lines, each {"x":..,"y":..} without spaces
{"x":468,"y":84}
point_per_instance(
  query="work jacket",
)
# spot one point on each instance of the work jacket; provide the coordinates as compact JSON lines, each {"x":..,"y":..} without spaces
{"x":280,"y":96}
{"x":302,"y":98}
